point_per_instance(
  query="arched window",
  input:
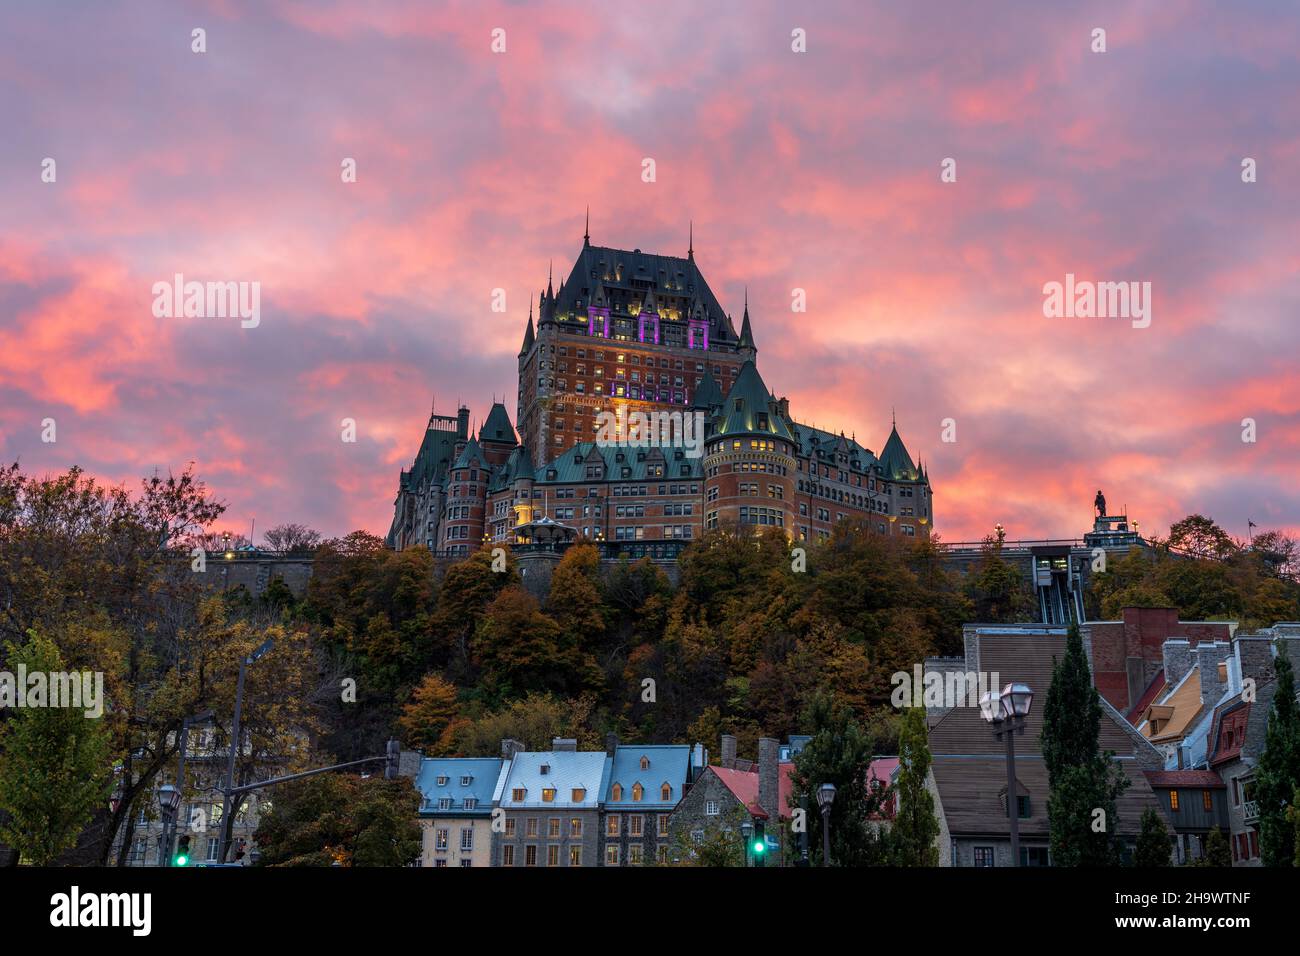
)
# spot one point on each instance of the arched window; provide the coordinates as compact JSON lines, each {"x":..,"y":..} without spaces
{"x":616,"y":793}
{"x":666,"y":792}
{"x":645,"y":763}
{"x":637,"y":792}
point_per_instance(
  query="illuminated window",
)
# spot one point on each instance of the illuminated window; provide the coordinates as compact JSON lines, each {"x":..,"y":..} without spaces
{"x":1173,"y":800}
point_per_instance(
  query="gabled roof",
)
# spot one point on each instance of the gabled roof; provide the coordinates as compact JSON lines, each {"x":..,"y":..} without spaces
{"x":497,"y":427}
{"x":1176,"y":709}
{"x":746,"y":402}
{"x":442,"y":778}
{"x":470,"y":456}
{"x":666,"y":764}
{"x":895,"y":461}
{"x":707,"y":393}
{"x":743,"y":785}
{"x":1155,"y":688}
{"x":565,"y":771}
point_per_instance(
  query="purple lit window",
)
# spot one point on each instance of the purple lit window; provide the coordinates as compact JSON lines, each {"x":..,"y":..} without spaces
{"x":641,"y":323}
{"x":698,"y":335}
{"x":593,"y":313}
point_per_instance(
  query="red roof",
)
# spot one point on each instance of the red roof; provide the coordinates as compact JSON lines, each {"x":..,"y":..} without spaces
{"x":1153,"y":690}
{"x":744,"y":786}
{"x":1204,"y":779}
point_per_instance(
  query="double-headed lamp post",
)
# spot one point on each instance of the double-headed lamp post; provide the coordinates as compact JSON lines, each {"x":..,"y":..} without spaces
{"x":169,"y":800}
{"x":1006,"y":711}
{"x":825,"y":798}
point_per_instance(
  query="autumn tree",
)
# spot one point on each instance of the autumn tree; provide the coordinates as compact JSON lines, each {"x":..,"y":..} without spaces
{"x":428,"y":719}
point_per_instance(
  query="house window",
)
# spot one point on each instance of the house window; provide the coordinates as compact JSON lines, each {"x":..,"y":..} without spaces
{"x":552,"y":855}
{"x":612,"y":825}
{"x":553,"y":828}
{"x":637,"y":792}
{"x":507,"y":855}
{"x":616,"y":793}
{"x":440,"y":839}
{"x":711,"y":808}
{"x":1173,"y":801}
{"x":517,"y":794}
{"x":510,"y":828}
{"x":611,"y":855}
{"x":666,"y":792}
{"x":1033,"y":856}
{"x":575,"y":856}
{"x":548,"y":795}
{"x":579,"y":794}
{"x":983,"y":856}
{"x":663,"y":825}
{"x":531,"y":828}
{"x":575,"y":827}
{"x":530,"y":855}
{"x":634,"y":825}
{"x":645,"y":763}
{"x":467,"y":839}
{"x":635,"y":855}
{"x":1207,"y":800}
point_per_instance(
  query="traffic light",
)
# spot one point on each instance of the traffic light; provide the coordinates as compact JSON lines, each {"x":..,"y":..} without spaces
{"x":182,"y":855}
{"x":759,"y":845}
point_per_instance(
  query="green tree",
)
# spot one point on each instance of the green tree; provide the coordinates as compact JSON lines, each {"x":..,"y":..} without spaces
{"x":1217,"y":851}
{"x":839,"y":753}
{"x":55,"y":770}
{"x":915,"y":830}
{"x":1084,"y":784}
{"x":344,"y":819}
{"x":998,"y":589}
{"x":1278,"y":772}
{"x":1153,"y":845}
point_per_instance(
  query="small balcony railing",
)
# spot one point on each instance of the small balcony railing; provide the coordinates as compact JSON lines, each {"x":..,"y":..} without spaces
{"x":1250,"y":809}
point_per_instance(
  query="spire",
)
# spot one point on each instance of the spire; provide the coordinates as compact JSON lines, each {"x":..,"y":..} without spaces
{"x":746,"y":333}
{"x":550,"y":291}
{"x":586,"y":230}
{"x":690,"y":243}
{"x":528,"y":333}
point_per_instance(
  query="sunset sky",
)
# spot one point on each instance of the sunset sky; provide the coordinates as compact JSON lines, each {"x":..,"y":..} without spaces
{"x":816,"y":170}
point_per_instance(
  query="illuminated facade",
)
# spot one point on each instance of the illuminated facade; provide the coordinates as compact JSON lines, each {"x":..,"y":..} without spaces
{"x":628,"y":333}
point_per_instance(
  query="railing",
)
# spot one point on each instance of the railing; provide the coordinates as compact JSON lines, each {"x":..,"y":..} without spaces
{"x":1250,"y":810}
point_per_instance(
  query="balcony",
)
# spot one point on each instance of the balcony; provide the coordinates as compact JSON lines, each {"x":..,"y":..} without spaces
{"x":1250,"y":810}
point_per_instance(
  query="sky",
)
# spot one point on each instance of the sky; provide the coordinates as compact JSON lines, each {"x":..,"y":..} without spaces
{"x":818,"y":171}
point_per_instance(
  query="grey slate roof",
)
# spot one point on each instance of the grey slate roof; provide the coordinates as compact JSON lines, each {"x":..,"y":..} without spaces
{"x":639,"y":268}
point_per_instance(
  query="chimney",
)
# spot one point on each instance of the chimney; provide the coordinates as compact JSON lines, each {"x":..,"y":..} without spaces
{"x":510,"y":747}
{"x":611,"y":743}
{"x":462,"y":423}
{"x":768,"y":783}
{"x":728,"y":751}
{"x":1212,"y":659}
{"x":564,"y":744}
{"x":1178,"y":659}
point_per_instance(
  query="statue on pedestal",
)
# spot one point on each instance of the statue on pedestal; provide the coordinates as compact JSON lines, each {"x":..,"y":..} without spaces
{"x":1100,"y":504}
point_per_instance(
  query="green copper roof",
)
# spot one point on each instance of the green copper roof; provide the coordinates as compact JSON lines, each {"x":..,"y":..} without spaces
{"x":497,"y":427}
{"x":748,"y":409}
{"x":707,"y":393}
{"x":622,"y":463}
{"x":894,"y":459}
{"x":471,"y":456}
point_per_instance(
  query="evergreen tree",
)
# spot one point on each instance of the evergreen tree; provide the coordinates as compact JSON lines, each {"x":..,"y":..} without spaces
{"x":839,"y":753}
{"x":55,"y":770}
{"x":912,"y":837}
{"x":1278,"y":772}
{"x":1084,"y":783}
{"x":1217,"y":851}
{"x":1153,"y":842}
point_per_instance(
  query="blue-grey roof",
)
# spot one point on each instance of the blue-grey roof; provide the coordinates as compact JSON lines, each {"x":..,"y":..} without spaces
{"x":564,"y":771}
{"x":444,"y":778}
{"x":571,"y":466}
{"x":668,"y":763}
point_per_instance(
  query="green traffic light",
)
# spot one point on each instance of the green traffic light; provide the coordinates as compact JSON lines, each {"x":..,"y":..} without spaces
{"x":758,"y":847}
{"x":181,"y":860}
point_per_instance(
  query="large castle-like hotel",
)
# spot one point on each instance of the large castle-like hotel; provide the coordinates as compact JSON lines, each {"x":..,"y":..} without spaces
{"x":634,"y":332}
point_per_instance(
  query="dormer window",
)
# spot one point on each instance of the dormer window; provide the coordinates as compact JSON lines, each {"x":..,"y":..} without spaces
{"x":579,"y":794}
{"x":517,"y":794}
{"x":548,"y":795}
{"x":638,"y":792}
{"x":666,"y":792}
{"x":545,"y":769}
{"x":616,"y":793}
{"x":442,"y":780}
{"x":466,"y":780}
{"x":645,"y":763}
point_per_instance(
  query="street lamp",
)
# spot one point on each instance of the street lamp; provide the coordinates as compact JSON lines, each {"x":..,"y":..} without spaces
{"x":825,"y":798}
{"x":1006,"y":711}
{"x":169,"y":799}
{"x":746,"y":831}
{"x":234,"y":744}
